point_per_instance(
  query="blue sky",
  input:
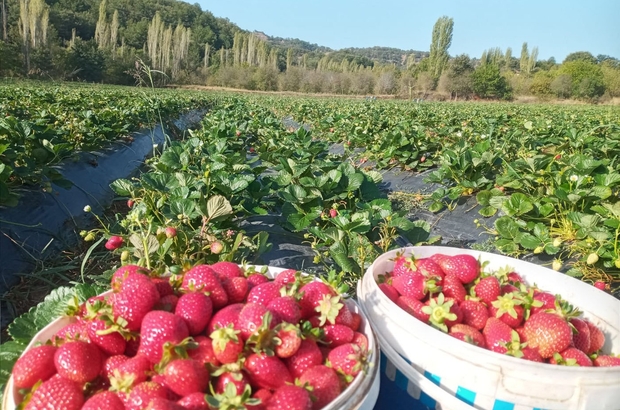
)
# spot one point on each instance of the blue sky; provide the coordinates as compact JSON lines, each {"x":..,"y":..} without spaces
{"x":557,"y":27}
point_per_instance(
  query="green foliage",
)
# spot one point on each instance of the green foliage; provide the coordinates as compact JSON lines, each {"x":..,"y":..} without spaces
{"x":489,"y":83}
{"x":580,"y":56}
{"x":86,"y":61}
{"x":586,"y":78}
{"x":541,"y":84}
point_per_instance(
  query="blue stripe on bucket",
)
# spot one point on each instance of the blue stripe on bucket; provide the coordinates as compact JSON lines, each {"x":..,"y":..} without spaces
{"x":384,"y":361}
{"x":428,"y":401}
{"x":400,"y":380}
{"x":466,"y":395}
{"x":503,"y":405}
{"x":433,"y":377}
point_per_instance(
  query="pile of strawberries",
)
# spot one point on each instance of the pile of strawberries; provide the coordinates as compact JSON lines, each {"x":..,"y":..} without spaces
{"x":217,"y":336}
{"x":496,"y":311}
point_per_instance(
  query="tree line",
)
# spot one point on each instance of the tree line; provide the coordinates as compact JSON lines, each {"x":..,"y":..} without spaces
{"x":101,"y":40}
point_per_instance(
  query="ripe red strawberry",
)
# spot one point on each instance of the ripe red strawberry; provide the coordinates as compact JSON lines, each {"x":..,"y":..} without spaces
{"x":225,"y":269}
{"x":78,"y":361}
{"x":110,"y":364}
{"x":468,"y":334}
{"x":57,"y":393}
{"x":256,"y":279}
{"x":571,"y":357}
{"x":167,"y":303}
{"x":158,"y":403}
{"x":137,"y":297}
{"x":164,"y":288}
{"x":267,"y":372}
{"x":348,"y":359}
{"x":389,"y":291}
{"x":488,"y":289}
{"x":132,"y":346}
{"x":201,"y":278}
{"x":337,"y":335}
{"x":236,"y":288}
{"x":262,"y":395}
{"x":443,"y":312}
{"x":236,"y":378}
{"x":142,"y":394}
{"x":515,"y":278}
{"x":344,"y":317}
{"x":129,"y":373}
{"x":114,"y":242}
{"x":104,"y":400}
{"x":123,"y":273}
{"x":287,"y":277}
{"x":203,"y":353}
{"x":290,"y":340}
{"x":194,"y":401}
{"x":465,"y":267}
{"x":453,"y":288}
{"x":285,"y":309}
{"x":531,"y":355}
{"x":548,"y":332}
{"x":356,"y":322}
{"x":186,"y":376}
{"x":290,"y":397}
{"x":159,"y":327}
{"x":196,"y":309}
{"x":412,"y":285}
{"x":438,"y":258}
{"x":307,"y":355}
{"x":597,"y":338}
{"x":73,"y":331}
{"x":325,"y":385}
{"x":429,"y":268}
{"x":34,"y":365}
{"x":508,"y":309}
{"x":413,"y":307}
{"x":251,"y":318}
{"x":548,"y":302}
{"x":264,"y":293}
{"x":361,"y":340}
{"x":581,"y":335}
{"x":402,"y":265}
{"x":106,"y":337}
{"x":224,"y":317}
{"x":312,"y":295}
{"x":497,"y":334}
{"x":475,"y":313}
{"x":227,"y":344}
{"x":606,"y":361}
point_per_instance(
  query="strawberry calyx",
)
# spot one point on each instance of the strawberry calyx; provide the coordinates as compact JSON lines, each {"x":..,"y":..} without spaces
{"x":264,"y":338}
{"x":230,"y":400}
{"x":514,"y":347}
{"x":121,"y":383}
{"x":222,"y":335}
{"x":438,"y":310}
{"x":173,"y":351}
{"x":506,"y":304}
{"x":557,"y":357}
{"x":233,"y":368}
{"x":328,"y":309}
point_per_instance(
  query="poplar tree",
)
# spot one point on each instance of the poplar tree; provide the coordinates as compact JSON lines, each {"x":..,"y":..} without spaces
{"x":525,"y":57}
{"x":440,"y":43}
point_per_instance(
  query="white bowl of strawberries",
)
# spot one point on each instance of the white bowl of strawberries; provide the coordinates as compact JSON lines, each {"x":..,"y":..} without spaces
{"x":495,"y":329}
{"x":218,"y":335}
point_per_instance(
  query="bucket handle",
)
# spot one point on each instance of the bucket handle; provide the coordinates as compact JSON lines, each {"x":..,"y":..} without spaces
{"x":447,"y":400}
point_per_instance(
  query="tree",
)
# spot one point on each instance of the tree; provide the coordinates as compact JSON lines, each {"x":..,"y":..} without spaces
{"x":541,"y":83}
{"x":440,"y":43}
{"x":457,"y":80}
{"x":611,"y":78}
{"x":489,"y":83}
{"x":580,"y":56}
{"x":525,"y":57}
{"x":580,"y":70}
{"x":562,"y":86}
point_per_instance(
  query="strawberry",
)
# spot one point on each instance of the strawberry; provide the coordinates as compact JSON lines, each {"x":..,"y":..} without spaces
{"x":123,"y":273}
{"x":429,"y":268}
{"x":225,"y":269}
{"x":508,"y":309}
{"x":251,"y":318}
{"x":285,"y":309}
{"x":34,"y":365}
{"x":356,"y":321}
{"x":224,"y":317}
{"x":531,"y":355}
{"x":142,"y":394}
{"x":514,"y":278}
{"x":78,"y":361}
{"x":158,"y":328}
{"x":389,"y":291}
{"x":412,"y":285}
{"x":201,"y":278}
{"x":104,"y":400}
{"x":73,"y":331}
{"x":508,"y":288}
{"x":137,"y":297}
{"x":107,"y":337}
{"x":325,"y":385}
{"x":114,"y":242}
{"x":236,"y":288}
{"x":288,"y":277}
{"x":112,"y":363}
{"x":597,"y":338}
{"x":236,"y":378}
{"x":348,"y":359}
{"x":167,"y":303}
{"x":186,"y":376}
{"x":262,"y":396}
{"x":464,"y":266}
{"x":196,"y":309}
{"x":227,"y":344}
{"x":264,"y":293}
{"x":468,"y":334}
{"x":267,"y":372}
{"x":581,"y":334}
{"x":413,"y":307}
{"x":548,"y":302}
{"x":344,"y":317}
{"x":312,"y":295}
{"x":443,"y":312}
{"x":158,"y":403}
{"x":497,"y":334}
{"x":337,"y":335}
{"x":475,"y":313}
{"x":256,"y":279}
{"x":606,"y":361}
{"x":453,"y":288}
{"x":488,"y":289}
{"x":194,"y":401}
{"x":402,"y":265}
{"x":548,"y":332}
{"x":133,"y":345}
{"x":290,"y":340}
{"x":290,"y":397}
{"x":129,"y":373}
{"x":438,"y":258}
{"x":307,"y":355}
{"x":203,"y":353}
{"x":164,"y":288}
{"x":56,"y":393}
{"x":571,"y":357}
{"x":361,"y":340}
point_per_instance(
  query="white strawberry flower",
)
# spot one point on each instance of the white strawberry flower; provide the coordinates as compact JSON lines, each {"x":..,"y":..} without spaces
{"x":574,"y":178}
{"x":87,"y":208}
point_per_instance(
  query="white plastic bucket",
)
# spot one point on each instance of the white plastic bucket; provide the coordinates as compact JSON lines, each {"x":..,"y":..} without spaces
{"x":361,"y":394}
{"x":484,"y":379}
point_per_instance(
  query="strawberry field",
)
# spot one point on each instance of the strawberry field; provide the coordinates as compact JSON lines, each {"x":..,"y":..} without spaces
{"x":543,"y":180}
